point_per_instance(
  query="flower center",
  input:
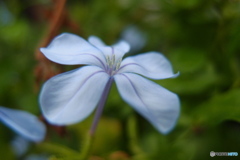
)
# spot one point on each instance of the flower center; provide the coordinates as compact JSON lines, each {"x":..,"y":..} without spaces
{"x":112,"y":64}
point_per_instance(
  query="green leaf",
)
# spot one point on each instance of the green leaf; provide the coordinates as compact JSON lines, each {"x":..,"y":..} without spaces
{"x":188,"y":59}
{"x":192,"y":83}
{"x":221,"y":107}
{"x":187,"y":3}
{"x":57,"y":149}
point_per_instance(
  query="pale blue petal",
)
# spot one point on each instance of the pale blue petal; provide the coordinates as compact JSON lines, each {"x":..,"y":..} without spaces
{"x":119,"y":49}
{"x":20,"y":145}
{"x":151,"y":64}
{"x":122,"y":46}
{"x":23,"y":123}
{"x":72,"y":96}
{"x":71,"y":49}
{"x":135,"y":37}
{"x":158,"y":105}
{"x":110,"y":51}
{"x":94,"y":40}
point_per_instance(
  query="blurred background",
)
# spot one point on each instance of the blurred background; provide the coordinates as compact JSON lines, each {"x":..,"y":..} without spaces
{"x":201,"y":39}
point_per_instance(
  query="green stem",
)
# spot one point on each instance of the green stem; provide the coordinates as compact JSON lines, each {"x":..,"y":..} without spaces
{"x":86,"y":147}
{"x":132,"y":134}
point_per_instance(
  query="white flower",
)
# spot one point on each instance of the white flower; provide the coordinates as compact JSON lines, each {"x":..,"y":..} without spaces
{"x":24,"y":123}
{"x":72,"y":96}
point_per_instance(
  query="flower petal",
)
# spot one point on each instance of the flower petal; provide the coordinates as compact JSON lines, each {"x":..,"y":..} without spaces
{"x":24,"y":123}
{"x":71,"y":49}
{"x":71,"y":96}
{"x":110,"y":51}
{"x":119,"y":49}
{"x":134,"y":37}
{"x":155,"y":103}
{"x":20,"y":145}
{"x":122,"y":46}
{"x":94,"y":40}
{"x":152,"y":65}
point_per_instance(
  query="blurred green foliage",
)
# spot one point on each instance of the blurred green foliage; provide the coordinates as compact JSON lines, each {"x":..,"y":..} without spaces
{"x":200,"y":38}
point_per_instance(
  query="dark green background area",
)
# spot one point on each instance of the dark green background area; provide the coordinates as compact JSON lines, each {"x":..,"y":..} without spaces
{"x":201,"y":38}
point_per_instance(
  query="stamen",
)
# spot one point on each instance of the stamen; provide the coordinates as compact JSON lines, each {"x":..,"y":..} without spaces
{"x":108,"y":59}
{"x":118,"y":63}
{"x":113,"y":58}
{"x":112,"y":64}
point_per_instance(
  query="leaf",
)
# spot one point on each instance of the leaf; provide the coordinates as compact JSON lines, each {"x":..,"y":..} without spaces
{"x":192,"y":83}
{"x":57,"y":149}
{"x":221,"y":107}
{"x":188,"y":59}
{"x":187,"y":4}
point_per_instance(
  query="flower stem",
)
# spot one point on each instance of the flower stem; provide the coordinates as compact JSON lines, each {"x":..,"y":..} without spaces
{"x":90,"y":135}
{"x":132,"y":134}
{"x":101,"y":106}
{"x":88,"y":139}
